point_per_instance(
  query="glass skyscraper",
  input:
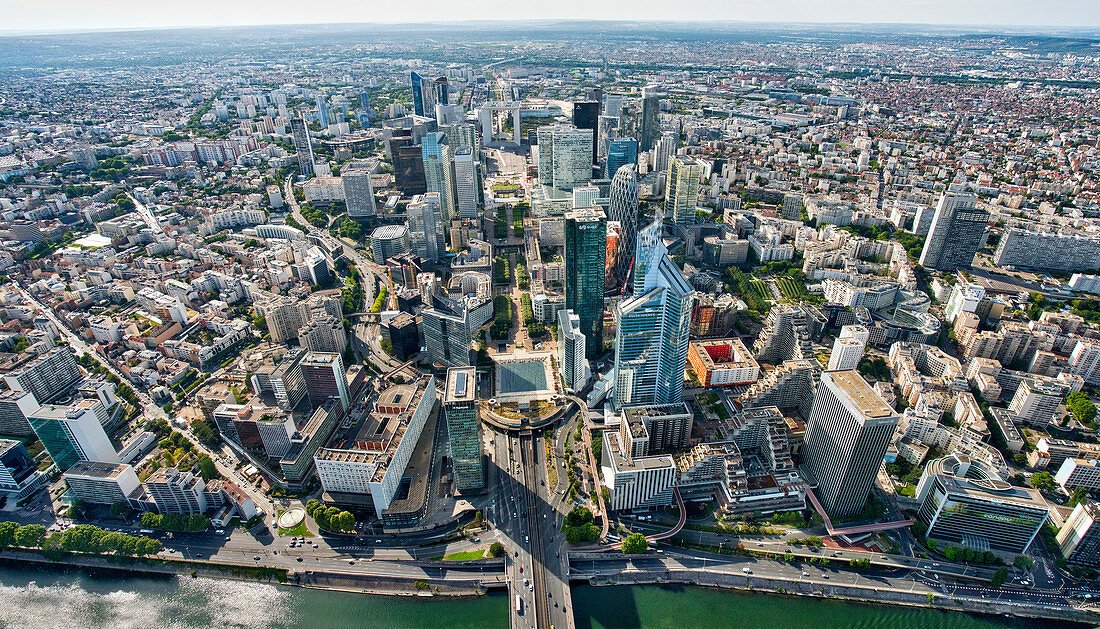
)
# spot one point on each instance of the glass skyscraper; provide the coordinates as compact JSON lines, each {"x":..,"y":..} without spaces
{"x":585,"y":257}
{"x":623,"y":208}
{"x":439,"y":171}
{"x":464,"y":428}
{"x":652,"y":327}
{"x":621,"y":152}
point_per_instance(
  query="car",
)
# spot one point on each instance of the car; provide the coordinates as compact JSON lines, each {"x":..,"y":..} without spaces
{"x":521,"y":569}
{"x":746,"y":570}
{"x":351,"y":562}
{"x":824,"y":576}
{"x":805,"y":574}
{"x":255,"y":558}
{"x":227,"y":538}
{"x":299,"y":558}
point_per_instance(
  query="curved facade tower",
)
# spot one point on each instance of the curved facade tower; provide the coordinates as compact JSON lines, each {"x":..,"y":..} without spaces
{"x":624,"y":210}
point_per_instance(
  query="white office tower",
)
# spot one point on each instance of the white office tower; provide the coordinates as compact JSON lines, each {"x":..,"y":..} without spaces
{"x":848,"y":348}
{"x":467,"y":183}
{"x":574,"y":367}
{"x":358,"y":193}
{"x":846,"y":439}
{"x":565,"y":156}
{"x":651,"y":336}
{"x":664,"y":150}
{"x":585,"y":196}
{"x":424,"y":219}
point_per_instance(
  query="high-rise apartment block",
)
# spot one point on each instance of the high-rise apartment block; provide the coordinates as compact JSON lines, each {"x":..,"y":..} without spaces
{"x":848,"y":348}
{"x":846,"y":439}
{"x":682,"y":189}
{"x":358,"y":193}
{"x":46,"y":376}
{"x":174,"y":491}
{"x":299,"y":132}
{"x":956,"y":233}
{"x":325,"y":379}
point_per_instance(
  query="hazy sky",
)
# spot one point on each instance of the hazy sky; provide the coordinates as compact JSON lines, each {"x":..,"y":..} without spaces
{"x":96,"y":14}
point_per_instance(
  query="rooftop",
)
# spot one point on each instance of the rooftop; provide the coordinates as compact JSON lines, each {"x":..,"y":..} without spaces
{"x":860,"y":394}
{"x":95,"y":469}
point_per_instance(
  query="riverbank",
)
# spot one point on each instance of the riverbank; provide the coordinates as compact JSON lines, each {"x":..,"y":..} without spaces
{"x":881,"y":596}
{"x":310,"y":579}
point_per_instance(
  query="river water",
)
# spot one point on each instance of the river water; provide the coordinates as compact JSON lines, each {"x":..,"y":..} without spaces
{"x":40,"y":599}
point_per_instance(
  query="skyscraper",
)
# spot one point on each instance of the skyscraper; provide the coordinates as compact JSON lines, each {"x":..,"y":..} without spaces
{"x":585,"y":253}
{"x":607,"y":129}
{"x":621,"y":152}
{"x":464,"y":428}
{"x":71,"y":434}
{"x":624,"y":210}
{"x":846,"y":439}
{"x":408,"y":166}
{"x":446,"y":335}
{"x":652,"y":327}
{"x":682,"y":189}
{"x":571,"y":349}
{"x":467,"y":183}
{"x":565,"y":156}
{"x":956,"y":233}
{"x":299,"y":131}
{"x":848,"y":348}
{"x":324,"y":116}
{"x":358,"y":193}
{"x":586,"y":115}
{"x":439,"y":171}
{"x":417,"y":82}
{"x":650,"y":126}
{"x":325,"y":379}
{"x":442,"y":96}
{"x":424,"y":219}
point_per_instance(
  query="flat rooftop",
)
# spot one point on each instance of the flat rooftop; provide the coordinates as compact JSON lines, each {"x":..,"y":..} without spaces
{"x":522,"y":376}
{"x":860,"y":394}
{"x":95,"y":469}
{"x":461,"y":384}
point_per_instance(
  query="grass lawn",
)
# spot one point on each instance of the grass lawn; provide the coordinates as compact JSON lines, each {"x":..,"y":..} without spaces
{"x":465,"y":556}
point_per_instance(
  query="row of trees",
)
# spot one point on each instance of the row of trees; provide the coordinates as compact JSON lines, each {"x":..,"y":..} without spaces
{"x":502,"y":317}
{"x":175,"y":521}
{"x":380,"y":300}
{"x":83,"y":538}
{"x":330,"y":518}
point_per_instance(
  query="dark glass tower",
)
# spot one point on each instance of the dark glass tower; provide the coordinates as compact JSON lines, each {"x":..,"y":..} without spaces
{"x":585,"y":257}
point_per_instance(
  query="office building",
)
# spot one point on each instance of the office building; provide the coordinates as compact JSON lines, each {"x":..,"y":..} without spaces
{"x":965,"y":502}
{"x":651,"y":121}
{"x":956,"y":233}
{"x":620,"y":152}
{"x":19,"y":476}
{"x":439,"y":171}
{"x":564,"y":156}
{"x":848,"y":348}
{"x":586,"y":115}
{"x":324,"y":334}
{"x":423,"y":94}
{"x":846,"y":439}
{"x":102,"y":483}
{"x":408,"y":166}
{"x":635,"y":482}
{"x":15,"y":408}
{"x":325,"y":379}
{"x":425,"y":221}
{"x":71,"y":434}
{"x":652,"y":327}
{"x":46,"y":376}
{"x":585,"y":254}
{"x":464,"y":428}
{"x":446,"y":335}
{"x":723,"y":363}
{"x":571,"y":350}
{"x":299,"y":132}
{"x":388,"y":241}
{"x":358,"y":193}
{"x":1079,"y":537}
{"x":682,"y":189}
{"x":623,"y":209}
{"x":664,"y":428}
{"x":174,"y":491}
{"x":371,"y":465}
{"x":467,"y":183}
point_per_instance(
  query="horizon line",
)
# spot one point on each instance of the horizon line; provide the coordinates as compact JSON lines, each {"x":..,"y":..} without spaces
{"x":17,"y":32}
